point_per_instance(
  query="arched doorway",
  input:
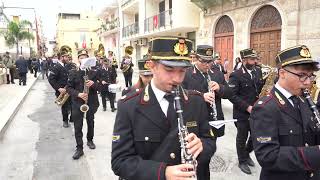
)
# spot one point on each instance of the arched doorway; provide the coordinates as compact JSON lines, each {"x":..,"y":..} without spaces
{"x":265,"y":34}
{"x":223,"y":40}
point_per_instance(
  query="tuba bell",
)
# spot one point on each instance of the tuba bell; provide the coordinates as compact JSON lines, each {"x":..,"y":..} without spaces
{"x":269,"y":74}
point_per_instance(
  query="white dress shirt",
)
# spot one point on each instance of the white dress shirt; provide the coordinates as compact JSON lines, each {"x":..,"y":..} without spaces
{"x":286,"y":93}
{"x":164,"y":104}
{"x":61,"y":63}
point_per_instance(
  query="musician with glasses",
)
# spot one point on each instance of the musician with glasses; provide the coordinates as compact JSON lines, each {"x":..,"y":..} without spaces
{"x":76,"y":86}
{"x":284,"y":129}
{"x":145,"y":142}
{"x":246,"y":84}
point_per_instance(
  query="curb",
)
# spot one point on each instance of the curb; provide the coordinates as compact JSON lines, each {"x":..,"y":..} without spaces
{"x":6,"y":125}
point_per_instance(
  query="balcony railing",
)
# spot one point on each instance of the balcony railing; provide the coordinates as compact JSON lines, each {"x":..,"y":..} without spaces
{"x":130,"y":30}
{"x":162,"y":20}
{"x":110,"y":25}
{"x":125,"y":2}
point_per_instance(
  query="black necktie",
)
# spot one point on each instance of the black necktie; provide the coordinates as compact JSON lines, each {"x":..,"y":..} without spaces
{"x":296,"y":104}
{"x":171,"y":113}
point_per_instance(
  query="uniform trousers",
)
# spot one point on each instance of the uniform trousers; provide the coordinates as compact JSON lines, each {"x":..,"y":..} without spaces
{"x":66,"y":110}
{"x":23,"y":78}
{"x":77,"y":116}
{"x":243,"y":140}
{"x":128,"y":79}
{"x":110,"y":96}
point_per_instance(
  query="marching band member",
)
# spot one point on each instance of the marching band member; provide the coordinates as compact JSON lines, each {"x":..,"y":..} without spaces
{"x":126,"y":66}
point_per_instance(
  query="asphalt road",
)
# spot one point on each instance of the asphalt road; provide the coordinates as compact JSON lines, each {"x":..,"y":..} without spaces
{"x":37,"y":147}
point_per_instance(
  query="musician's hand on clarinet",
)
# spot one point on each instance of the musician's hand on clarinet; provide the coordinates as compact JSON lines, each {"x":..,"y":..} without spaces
{"x":208,"y":97}
{"x":83,"y":96}
{"x":194,"y":145}
{"x":214,"y":86}
{"x":181,"y":171}
{"x":104,"y":82}
{"x":89,"y":83}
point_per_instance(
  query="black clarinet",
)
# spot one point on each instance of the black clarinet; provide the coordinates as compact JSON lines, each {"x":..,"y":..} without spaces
{"x":186,"y":158}
{"x":316,"y":116}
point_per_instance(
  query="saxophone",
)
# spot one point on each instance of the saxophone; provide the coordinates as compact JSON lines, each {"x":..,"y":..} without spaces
{"x":84,"y":107}
{"x":316,"y":116}
{"x":61,"y":99}
{"x":186,"y":158}
{"x":213,"y":104}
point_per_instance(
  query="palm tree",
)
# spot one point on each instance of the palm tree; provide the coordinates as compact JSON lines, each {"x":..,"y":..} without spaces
{"x":16,"y":32}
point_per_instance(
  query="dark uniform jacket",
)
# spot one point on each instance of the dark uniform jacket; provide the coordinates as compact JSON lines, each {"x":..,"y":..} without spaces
{"x":143,"y":142}
{"x":245,"y":91}
{"x":218,"y":67}
{"x":75,"y":85}
{"x":58,"y":77}
{"x":22,"y":65}
{"x":284,"y":144}
{"x":194,"y":80}
{"x":108,"y":75}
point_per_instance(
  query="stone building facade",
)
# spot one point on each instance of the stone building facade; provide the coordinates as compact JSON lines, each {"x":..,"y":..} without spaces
{"x":268,"y":26}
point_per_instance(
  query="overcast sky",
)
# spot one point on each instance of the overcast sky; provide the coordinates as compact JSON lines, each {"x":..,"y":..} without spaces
{"x":48,"y":9}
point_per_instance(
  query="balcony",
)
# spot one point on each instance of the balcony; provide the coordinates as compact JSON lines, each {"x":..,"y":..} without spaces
{"x":205,"y":4}
{"x":130,"y":30}
{"x":110,"y":25}
{"x":162,"y":20}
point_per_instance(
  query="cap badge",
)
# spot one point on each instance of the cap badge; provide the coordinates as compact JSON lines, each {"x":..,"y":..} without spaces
{"x":209,"y":52}
{"x":181,"y":47}
{"x":305,"y":52}
{"x":145,"y":66}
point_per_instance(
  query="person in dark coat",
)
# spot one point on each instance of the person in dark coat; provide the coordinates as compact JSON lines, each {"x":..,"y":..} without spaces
{"x":76,"y":86}
{"x":199,"y":78}
{"x":58,"y":78}
{"x":35,"y":66}
{"x":44,"y":66}
{"x":22,"y":66}
{"x":217,"y":64}
{"x":145,"y":142}
{"x":246,"y":84}
{"x":284,"y":132}
{"x":108,"y":76}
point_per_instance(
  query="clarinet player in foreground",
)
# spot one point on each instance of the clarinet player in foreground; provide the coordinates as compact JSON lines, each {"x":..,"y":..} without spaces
{"x":146,"y":144}
{"x":284,"y":128}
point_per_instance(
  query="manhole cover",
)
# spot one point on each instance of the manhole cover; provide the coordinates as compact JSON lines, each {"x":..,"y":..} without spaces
{"x":217,"y":164}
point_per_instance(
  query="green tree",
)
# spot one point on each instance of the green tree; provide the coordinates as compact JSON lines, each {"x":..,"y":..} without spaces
{"x":17,"y":32}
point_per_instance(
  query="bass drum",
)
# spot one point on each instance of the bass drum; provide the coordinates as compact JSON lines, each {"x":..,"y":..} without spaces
{"x":114,"y":88}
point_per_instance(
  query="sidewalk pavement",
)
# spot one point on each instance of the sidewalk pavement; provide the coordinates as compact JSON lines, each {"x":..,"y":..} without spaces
{"x":11,"y":97}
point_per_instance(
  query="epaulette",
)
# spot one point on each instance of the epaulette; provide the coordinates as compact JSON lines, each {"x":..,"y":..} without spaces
{"x":128,"y":96}
{"x":263,"y":100}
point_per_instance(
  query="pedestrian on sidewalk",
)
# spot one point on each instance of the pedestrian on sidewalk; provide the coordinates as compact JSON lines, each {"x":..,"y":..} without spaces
{"x":83,"y":92}
{"x":9,"y":63}
{"x":44,"y":66}
{"x":22,"y":66}
{"x":35,"y":66}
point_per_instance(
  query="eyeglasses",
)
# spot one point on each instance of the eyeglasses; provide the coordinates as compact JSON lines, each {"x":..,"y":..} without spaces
{"x":303,"y":77}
